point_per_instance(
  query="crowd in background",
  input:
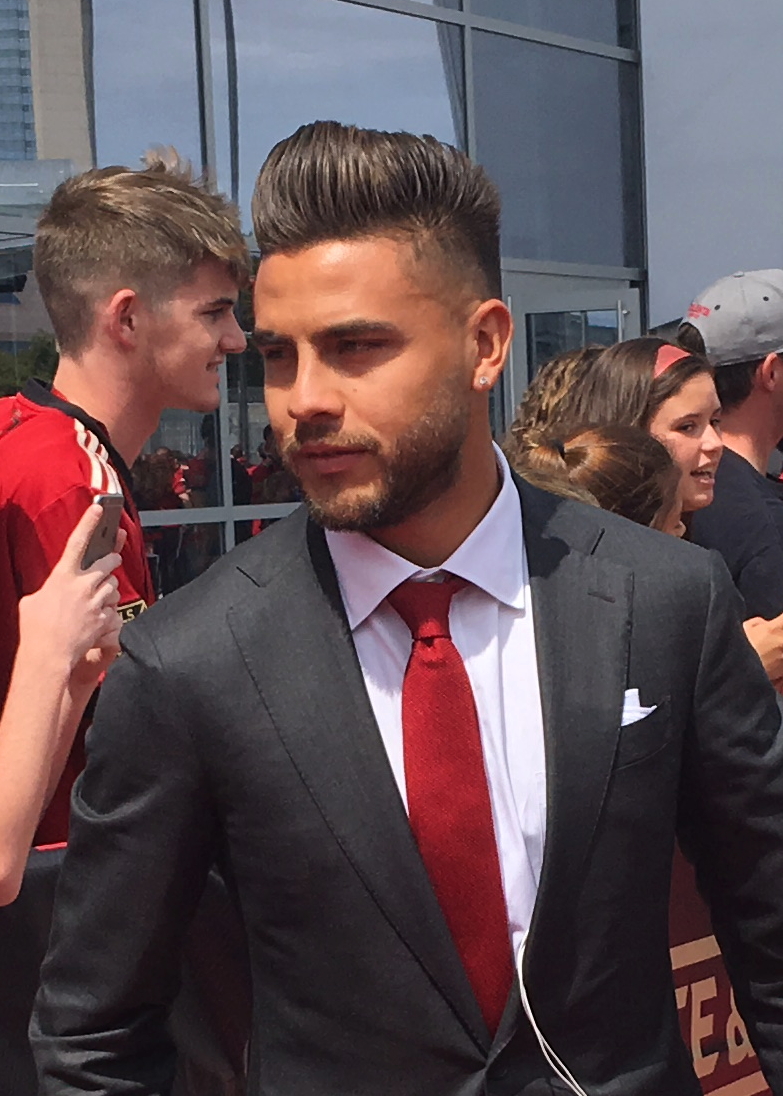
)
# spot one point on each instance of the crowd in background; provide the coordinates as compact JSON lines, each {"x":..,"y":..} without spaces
{"x":169,"y":479}
{"x":680,"y":438}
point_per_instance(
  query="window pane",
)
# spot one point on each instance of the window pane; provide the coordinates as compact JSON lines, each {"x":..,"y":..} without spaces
{"x":178,"y":553}
{"x":110,"y":80}
{"x":610,"y":21}
{"x":257,"y":471}
{"x":46,"y":47}
{"x":153,"y":99}
{"x":179,"y":467}
{"x":400,"y":73}
{"x":601,"y":327}
{"x":566,"y":157}
{"x":552,"y":333}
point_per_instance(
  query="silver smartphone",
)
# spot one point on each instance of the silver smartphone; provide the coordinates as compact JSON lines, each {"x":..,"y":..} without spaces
{"x":105,"y":533}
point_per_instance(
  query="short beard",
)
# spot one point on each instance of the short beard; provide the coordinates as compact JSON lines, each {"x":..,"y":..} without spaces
{"x":423,"y":465}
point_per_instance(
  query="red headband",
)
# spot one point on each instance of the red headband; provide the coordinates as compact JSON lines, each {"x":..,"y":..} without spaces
{"x":666,"y":357}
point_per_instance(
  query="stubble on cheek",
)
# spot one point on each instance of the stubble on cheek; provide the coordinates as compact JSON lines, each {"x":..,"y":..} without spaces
{"x":423,"y":464}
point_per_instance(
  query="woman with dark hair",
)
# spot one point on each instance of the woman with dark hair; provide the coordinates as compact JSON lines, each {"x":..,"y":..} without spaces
{"x":647,"y":383}
{"x":619,"y":468}
{"x":662,"y":389}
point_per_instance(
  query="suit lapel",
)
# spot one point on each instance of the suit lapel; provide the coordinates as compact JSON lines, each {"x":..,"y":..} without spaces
{"x":581,"y":607}
{"x":315,"y":694}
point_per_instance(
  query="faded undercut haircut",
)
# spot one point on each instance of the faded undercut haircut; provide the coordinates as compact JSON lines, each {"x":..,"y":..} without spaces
{"x":113,"y":228}
{"x":328,"y":182}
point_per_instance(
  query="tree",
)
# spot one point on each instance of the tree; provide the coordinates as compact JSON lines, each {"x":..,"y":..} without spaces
{"x":37,"y":359}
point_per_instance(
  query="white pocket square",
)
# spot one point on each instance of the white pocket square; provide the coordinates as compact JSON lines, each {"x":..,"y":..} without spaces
{"x":632,"y":708}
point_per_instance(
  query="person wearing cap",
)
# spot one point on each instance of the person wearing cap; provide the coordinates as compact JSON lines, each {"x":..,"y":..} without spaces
{"x":738,"y":323}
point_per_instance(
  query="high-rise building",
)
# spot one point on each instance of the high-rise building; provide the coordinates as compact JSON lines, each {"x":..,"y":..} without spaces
{"x":47,"y":131}
{"x":61,"y":71}
{"x":17,"y":124}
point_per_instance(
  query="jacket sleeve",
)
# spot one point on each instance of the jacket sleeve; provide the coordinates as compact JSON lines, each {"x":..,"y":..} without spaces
{"x":732,"y":817}
{"x":141,"y":843}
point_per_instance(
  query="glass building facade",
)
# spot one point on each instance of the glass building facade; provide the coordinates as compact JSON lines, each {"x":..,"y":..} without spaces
{"x":544,"y":94}
{"x":17,"y":128}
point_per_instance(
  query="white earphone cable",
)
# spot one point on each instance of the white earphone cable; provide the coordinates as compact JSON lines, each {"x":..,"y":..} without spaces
{"x":556,"y":1063}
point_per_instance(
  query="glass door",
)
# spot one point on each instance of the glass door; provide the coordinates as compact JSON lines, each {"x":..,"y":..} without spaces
{"x":553,"y":314}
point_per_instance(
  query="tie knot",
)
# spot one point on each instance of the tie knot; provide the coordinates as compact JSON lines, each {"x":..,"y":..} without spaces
{"x":424,"y":606}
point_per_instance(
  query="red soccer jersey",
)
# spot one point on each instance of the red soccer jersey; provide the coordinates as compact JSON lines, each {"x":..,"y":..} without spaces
{"x":53,"y":460}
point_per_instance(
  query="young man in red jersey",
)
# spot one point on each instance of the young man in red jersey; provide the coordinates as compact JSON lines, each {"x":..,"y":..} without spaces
{"x":139,"y":272}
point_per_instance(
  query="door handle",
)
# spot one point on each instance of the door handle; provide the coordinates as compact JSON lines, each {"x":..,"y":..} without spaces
{"x":622,"y":312}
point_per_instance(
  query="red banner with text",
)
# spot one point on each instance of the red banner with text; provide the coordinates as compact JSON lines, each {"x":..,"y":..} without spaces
{"x":723,"y":1058}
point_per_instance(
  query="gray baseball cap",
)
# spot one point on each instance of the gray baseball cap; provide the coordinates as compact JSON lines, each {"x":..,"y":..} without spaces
{"x":740,"y":317}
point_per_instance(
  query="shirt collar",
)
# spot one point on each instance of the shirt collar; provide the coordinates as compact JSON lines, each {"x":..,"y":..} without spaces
{"x":492,"y":558}
{"x":43,"y":394}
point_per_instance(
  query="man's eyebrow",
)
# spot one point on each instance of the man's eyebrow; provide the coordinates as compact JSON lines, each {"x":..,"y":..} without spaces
{"x":352,"y":328}
{"x":222,"y":302}
{"x":347,"y":329}
{"x":263,"y":337}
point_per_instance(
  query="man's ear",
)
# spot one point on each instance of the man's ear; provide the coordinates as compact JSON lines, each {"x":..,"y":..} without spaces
{"x":121,"y":317}
{"x":492,"y":328}
{"x":774,"y":364}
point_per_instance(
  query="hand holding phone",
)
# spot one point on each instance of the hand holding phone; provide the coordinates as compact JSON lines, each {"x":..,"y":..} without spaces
{"x":105,"y":534}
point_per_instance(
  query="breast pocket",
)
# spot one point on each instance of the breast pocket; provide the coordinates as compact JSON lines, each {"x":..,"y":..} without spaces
{"x":643,"y":739}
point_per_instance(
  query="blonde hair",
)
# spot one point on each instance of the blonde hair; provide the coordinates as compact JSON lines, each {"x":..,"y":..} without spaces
{"x":551,"y":391}
{"x":147,"y":230}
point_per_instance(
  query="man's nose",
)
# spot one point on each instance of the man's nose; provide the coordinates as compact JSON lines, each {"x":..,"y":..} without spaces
{"x":234,"y":340}
{"x":315,"y":392}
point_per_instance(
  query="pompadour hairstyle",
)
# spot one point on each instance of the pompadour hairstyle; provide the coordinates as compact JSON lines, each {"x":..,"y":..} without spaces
{"x":148,"y":230}
{"x":328,"y":181}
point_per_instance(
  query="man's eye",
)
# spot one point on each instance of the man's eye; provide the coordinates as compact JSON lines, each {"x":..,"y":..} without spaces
{"x":359,"y":346}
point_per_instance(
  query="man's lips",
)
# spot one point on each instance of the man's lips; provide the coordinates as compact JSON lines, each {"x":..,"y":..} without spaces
{"x":328,"y":459}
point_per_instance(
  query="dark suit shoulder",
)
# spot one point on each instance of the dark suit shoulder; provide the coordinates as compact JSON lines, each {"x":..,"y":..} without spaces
{"x":611,"y":537}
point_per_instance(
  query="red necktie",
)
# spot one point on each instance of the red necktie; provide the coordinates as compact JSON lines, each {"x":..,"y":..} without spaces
{"x":448,"y":797}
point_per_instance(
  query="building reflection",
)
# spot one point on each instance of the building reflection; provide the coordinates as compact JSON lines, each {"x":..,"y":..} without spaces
{"x":554,"y":119}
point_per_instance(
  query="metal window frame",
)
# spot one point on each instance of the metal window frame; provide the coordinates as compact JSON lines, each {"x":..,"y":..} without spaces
{"x":227,"y":514}
{"x":465,"y":18}
{"x":574,"y":270}
{"x":214,"y":515}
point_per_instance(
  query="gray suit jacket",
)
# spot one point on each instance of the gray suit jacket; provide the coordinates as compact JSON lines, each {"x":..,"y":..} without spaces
{"x":237,"y":728}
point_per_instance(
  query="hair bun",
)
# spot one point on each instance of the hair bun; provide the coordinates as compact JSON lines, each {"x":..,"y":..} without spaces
{"x":557,"y":445}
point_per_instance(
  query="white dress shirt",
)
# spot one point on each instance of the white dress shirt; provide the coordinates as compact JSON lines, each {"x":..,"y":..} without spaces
{"x":492,"y":628}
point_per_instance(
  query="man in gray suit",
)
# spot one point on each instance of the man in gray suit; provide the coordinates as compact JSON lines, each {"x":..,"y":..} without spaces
{"x":438,"y":728}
